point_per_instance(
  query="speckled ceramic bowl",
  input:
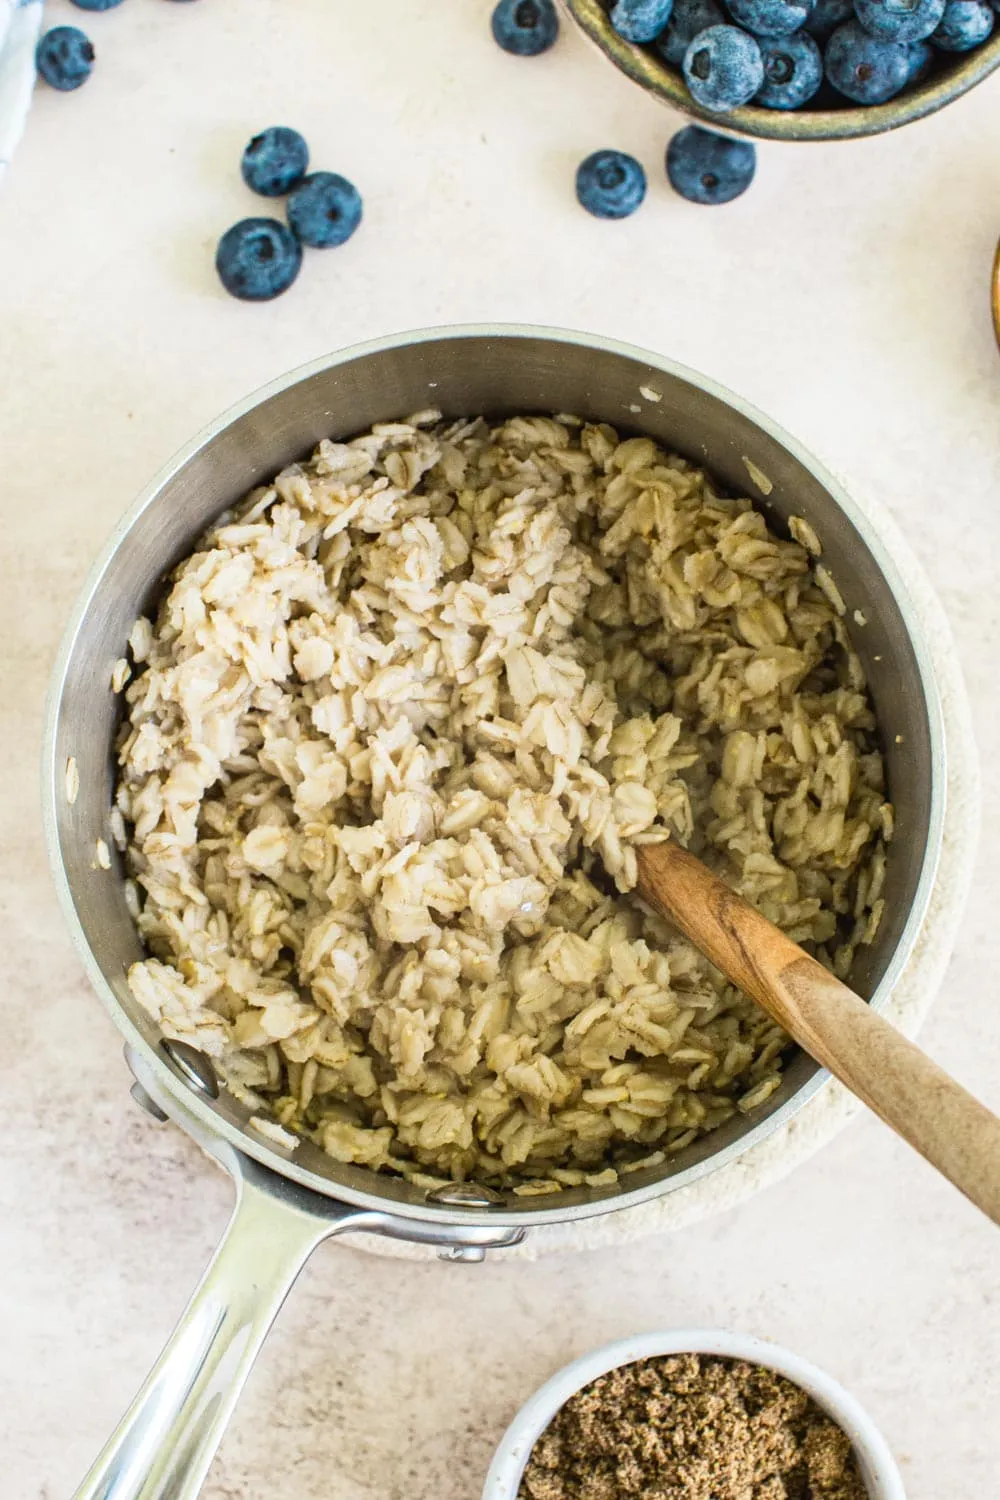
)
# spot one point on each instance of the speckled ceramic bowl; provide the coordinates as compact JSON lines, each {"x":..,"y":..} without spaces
{"x":878,"y":1467}
{"x":664,"y":82}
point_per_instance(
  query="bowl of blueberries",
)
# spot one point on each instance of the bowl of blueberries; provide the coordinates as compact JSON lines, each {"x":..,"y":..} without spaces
{"x":799,"y":70}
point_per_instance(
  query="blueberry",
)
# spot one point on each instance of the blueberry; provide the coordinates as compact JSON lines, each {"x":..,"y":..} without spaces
{"x":610,"y":185}
{"x":863,"y":68}
{"x":96,"y":4}
{"x":793,"y":71}
{"x":922,"y":59}
{"x":65,"y":57}
{"x":525,"y":27}
{"x":324,"y":210}
{"x":770,"y":17}
{"x":723,"y":68}
{"x":274,"y":161}
{"x":687,"y":18}
{"x":258,"y":259}
{"x":640,"y":20}
{"x":899,"y":20}
{"x":826,"y":16}
{"x":708,"y":168}
{"x":964,"y":25}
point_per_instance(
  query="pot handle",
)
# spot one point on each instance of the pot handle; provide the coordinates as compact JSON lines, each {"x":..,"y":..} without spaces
{"x":167,"y":1439}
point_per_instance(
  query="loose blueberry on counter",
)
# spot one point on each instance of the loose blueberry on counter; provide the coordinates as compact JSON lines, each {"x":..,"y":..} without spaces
{"x":96,"y":4}
{"x":708,"y":168}
{"x":826,"y":16}
{"x":525,"y":27}
{"x":640,"y":20}
{"x":258,"y":259}
{"x":964,"y":25}
{"x":324,"y":210}
{"x":770,"y":17}
{"x":793,"y":71}
{"x":65,"y":57}
{"x":274,"y":161}
{"x":899,"y":20}
{"x":723,"y":68}
{"x":687,"y":19}
{"x":610,"y":184}
{"x":863,"y":68}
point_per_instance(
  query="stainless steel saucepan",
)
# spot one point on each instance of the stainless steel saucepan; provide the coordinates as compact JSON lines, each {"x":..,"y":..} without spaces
{"x":289,"y":1199}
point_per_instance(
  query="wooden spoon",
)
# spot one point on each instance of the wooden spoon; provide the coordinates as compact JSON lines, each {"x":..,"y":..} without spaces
{"x":955,"y":1133}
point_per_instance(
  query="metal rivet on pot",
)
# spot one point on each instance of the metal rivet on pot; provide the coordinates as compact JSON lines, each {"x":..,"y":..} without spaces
{"x":194,"y":1066}
{"x":464,"y":1195}
{"x":145,"y":1102}
{"x":466,"y":1255}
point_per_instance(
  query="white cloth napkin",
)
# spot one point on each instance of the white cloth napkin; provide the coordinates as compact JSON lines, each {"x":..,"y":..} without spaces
{"x":20,"y":24}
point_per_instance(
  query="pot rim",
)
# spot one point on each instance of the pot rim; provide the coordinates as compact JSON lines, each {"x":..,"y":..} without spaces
{"x":666,"y":84}
{"x":280,"y":1160}
{"x":879,"y":1469}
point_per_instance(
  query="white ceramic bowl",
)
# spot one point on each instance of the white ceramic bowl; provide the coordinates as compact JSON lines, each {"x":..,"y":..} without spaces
{"x":878,"y":1467}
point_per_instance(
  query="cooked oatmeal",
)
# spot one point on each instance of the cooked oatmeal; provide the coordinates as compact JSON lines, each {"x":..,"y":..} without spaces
{"x":391,"y":743}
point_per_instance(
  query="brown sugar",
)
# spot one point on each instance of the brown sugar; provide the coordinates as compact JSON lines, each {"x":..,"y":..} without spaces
{"x":692,"y":1427}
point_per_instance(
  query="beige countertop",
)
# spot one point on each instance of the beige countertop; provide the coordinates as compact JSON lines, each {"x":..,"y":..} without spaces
{"x":846,"y":294}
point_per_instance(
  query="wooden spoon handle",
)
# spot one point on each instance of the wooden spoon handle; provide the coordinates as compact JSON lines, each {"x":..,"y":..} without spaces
{"x":938,"y":1117}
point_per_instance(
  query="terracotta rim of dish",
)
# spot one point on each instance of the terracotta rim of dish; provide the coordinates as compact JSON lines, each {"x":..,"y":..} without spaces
{"x":995,"y":294}
{"x":666,"y":84}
